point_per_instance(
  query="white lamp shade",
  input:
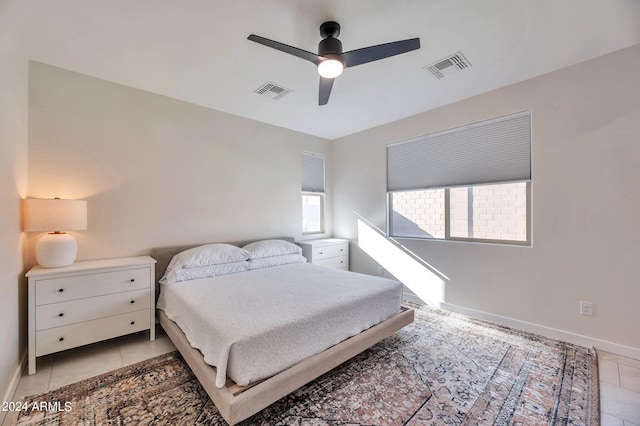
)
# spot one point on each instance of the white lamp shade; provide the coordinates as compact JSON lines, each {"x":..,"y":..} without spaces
{"x":57,"y":249}
{"x":54,"y":215}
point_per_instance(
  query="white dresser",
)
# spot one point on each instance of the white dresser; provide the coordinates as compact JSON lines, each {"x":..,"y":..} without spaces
{"x":332,"y":252}
{"x":89,"y":301}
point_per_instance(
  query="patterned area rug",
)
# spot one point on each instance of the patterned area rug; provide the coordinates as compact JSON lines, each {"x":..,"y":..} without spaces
{"x":443,"y":369}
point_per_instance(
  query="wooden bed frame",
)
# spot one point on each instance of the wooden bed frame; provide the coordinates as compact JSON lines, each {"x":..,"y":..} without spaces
{"x":237,"y":403}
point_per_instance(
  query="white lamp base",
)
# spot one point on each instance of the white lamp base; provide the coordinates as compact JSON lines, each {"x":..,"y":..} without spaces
{"x":56,"y":250}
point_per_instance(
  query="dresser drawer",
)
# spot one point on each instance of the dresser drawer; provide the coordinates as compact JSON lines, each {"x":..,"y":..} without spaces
{"x":340,"y":262}
{"x":70,"y":336}
{"x":334,"y":250}
{"x":65,"y":313}
{"x":54,"y":290}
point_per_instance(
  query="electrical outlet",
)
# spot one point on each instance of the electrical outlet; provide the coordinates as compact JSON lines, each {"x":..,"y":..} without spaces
{"x":380,"y":271}
{"x":586,"y":308}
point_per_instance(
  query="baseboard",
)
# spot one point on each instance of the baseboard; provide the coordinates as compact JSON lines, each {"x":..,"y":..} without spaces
{"x":13,"y":385}
{"x":553,"y":333}
{"x":410,"y":297}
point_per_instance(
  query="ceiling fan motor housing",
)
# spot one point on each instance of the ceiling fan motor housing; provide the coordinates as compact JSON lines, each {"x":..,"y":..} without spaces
{"x":330,"y":46}
{"x":330,"y":29}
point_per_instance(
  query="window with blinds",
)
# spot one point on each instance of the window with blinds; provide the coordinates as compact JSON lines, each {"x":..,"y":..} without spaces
{"x":468,"y":183}
{"x":312,"y":176}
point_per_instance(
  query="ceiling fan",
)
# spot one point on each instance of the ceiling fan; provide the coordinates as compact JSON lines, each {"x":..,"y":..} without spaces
{"x":330,"y":59}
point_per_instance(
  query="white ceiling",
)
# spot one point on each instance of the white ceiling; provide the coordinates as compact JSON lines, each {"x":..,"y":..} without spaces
{"x":197,"y":50}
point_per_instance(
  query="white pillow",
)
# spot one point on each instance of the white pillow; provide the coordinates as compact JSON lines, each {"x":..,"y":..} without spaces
{"x":267,"y":262}
{"x":268,"y":248}
{"x":201,"y":256}
{"x":209,"y":254}
{"x":187,"y":274}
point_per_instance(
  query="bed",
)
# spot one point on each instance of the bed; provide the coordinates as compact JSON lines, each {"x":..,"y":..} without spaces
{"x":270,"y":330}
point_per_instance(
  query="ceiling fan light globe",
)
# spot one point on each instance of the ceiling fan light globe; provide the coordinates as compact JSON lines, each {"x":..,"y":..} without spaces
{"x":330,"y":68}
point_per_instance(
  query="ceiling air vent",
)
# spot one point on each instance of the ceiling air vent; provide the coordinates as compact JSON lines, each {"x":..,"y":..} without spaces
{"x":449,"y":65}
{"x":272,"y":90}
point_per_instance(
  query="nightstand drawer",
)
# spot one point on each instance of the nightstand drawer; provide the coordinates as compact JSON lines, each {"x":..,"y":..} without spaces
{"x":328,"y":251}
{"x":70,"y":336}
{"x":331,"y":252}
{"x":65,"y":313}
{"x":340,"y":262}
{"x":54,"y":290}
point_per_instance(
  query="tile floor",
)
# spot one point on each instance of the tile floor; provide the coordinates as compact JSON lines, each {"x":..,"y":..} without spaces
{"x":619,"y":390}
{"x":619,"y":376}
{"x":63,"y":368}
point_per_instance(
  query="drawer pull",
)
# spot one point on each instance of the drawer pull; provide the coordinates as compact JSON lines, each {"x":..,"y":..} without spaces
{"x":133,"y":322}
{"x":341,"y":249}
{"x":342,"y":261}
{"x":61,"y":339}
{"x":320,"y":252}
{"x":61,"y":290}
{"x":133,"y":301}
{"x":61,"y":314}
{"x":132,"y":280}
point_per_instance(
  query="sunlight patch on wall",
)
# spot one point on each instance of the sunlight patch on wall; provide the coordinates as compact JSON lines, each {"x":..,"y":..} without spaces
{"x":66,"y":171}
{"x":427,"y":284}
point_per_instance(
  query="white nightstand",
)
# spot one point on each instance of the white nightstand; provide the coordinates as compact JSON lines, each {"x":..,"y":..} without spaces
{"x":89,"y":301}
{"x":332,"y":252}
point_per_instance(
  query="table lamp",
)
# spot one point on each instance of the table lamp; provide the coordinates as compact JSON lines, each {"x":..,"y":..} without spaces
{"x":56,"y":248}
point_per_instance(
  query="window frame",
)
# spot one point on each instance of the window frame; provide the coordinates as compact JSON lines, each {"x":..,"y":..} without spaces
{"x":313,"y":184}
{"x":321,"y":196}
{"x":447,"y":218}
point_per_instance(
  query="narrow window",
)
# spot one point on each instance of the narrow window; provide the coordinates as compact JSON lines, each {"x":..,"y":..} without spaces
{"x":312,"y":212}
{"x":312,"y":193}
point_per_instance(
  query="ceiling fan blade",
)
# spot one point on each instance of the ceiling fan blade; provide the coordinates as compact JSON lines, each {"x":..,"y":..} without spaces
{"x":303,"y":54}
{"x":325,"y":90}
{"x":381,"y":51}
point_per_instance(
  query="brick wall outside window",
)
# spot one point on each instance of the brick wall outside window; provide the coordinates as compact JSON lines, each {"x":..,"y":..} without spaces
{"x":494,"y":212}
{"x":419,"y":213}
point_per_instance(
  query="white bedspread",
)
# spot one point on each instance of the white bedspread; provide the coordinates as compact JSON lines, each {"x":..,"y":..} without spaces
{"x":252,"y":325}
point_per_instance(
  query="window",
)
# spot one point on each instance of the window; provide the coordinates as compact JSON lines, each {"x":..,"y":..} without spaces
{"x":418,"y":214}
{"x":481,"y":213}
{"x":312,"y":193}
{"x":470,"y":183}
{"x":312,"y":212}
{"x":489,"y":212}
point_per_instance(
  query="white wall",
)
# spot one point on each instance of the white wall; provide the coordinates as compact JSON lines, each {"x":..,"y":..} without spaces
{"x":586,"y":204}
{"x":157,"y":171}
{"x":13,"y":185}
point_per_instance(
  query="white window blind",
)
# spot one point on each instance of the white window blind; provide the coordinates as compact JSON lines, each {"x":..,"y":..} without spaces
{"x":492,"y":151}
{"x":312,"y":172}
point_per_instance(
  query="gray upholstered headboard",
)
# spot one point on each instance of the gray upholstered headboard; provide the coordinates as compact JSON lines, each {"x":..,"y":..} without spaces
{"x":163,"y":255}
